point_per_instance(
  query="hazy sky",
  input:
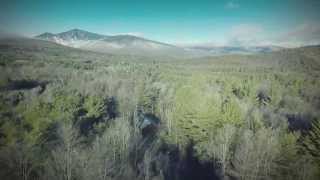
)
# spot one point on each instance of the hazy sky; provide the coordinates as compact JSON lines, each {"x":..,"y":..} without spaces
{"x":232,"y":22}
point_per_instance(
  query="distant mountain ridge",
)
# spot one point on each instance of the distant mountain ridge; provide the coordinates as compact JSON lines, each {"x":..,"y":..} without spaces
{"x":222,"y":50}
{"x":129,"y":44}
{"x":118,"y":44}
{"x":74,"y":34}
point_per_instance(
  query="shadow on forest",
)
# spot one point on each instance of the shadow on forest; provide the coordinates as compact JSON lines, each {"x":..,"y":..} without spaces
{"x":175,"y":165}
{"x":192,"y":168}
{"x":299,"y":122}
{"x":86,"y":124}
{"x":24,"y":85}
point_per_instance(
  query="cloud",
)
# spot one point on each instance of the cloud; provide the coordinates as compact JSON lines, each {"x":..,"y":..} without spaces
{"x":200,"y":44}
{"x":232,"y":5}
{"x":301,"y":35}
{"x":246,"y":35}
{"x":245,"y":30}
{"x":138,"y":34}
{"x":307,"y":33}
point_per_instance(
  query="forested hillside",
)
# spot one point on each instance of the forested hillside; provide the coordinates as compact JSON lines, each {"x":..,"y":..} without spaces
{"x":69,"y":114}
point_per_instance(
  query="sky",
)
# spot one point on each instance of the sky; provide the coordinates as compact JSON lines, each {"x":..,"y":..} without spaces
{"x":183,"y":22}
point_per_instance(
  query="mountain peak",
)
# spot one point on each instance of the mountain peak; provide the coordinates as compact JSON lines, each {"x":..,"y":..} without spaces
{"x":78,"y":34}
{"x":122,"y":43}
{"x":76,"y":30}
{"x":46,"y":35}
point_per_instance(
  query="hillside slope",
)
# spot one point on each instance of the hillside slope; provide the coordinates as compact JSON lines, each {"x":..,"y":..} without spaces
{"x":117,"y":44}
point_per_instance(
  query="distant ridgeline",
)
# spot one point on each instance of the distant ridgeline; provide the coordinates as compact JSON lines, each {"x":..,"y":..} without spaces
{"x":133,"y":45}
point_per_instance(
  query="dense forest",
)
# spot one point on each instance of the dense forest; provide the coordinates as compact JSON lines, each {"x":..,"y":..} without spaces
{"x":69,"y":114}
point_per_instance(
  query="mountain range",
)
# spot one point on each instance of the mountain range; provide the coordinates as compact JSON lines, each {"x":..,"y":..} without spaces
{"x":129,"y":44}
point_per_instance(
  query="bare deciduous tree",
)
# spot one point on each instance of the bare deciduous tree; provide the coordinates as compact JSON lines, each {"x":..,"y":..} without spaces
{"x":20,"y":159}
{"x":220,"y":144}
{"x":255,"y":155}
{"x":63,"y":158}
